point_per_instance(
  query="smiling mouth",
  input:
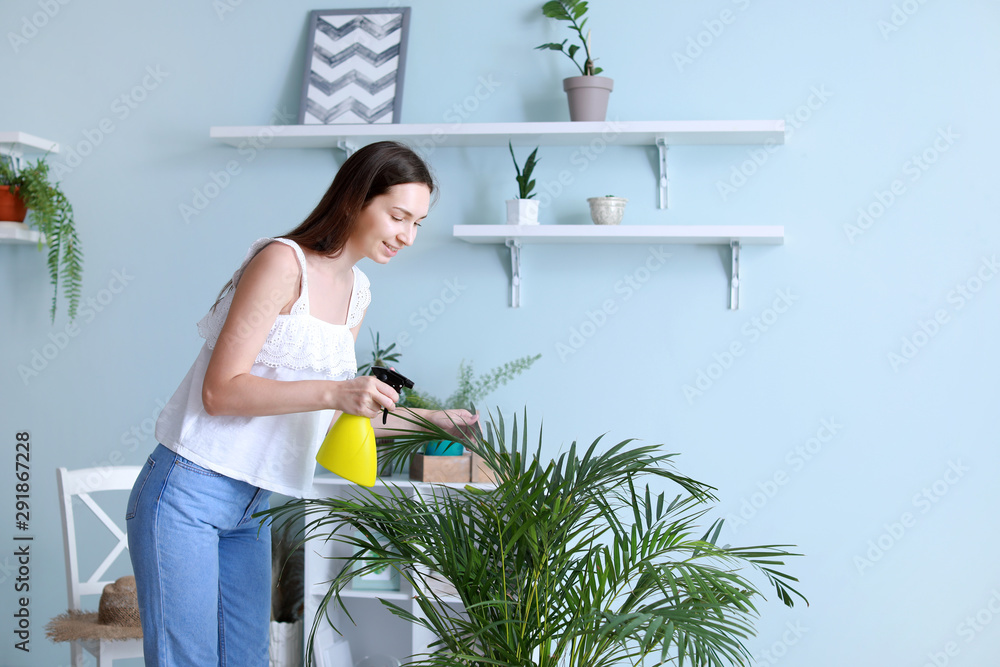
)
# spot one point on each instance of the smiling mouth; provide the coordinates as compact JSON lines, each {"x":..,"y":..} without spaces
{"x":392,"y":248}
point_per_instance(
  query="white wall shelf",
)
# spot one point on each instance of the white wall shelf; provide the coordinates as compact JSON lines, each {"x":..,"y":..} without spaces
{"x":15,"y":145}
{"x":515,"y":236}
{"x":18,"y":232}
{"x":658,"y":134}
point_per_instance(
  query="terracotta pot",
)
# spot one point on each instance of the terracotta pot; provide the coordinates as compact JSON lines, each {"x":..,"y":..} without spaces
{"x":588,"y":97}
{"x":11,"y":207}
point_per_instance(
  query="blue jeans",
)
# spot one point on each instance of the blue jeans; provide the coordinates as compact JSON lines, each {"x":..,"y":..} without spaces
{"x":202,"y":565}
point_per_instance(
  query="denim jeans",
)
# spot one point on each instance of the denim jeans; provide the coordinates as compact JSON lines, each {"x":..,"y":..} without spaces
{"x":202,"y":565}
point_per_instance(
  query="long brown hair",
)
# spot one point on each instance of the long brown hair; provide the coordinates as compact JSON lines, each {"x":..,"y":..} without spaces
{"x":366,"y":174}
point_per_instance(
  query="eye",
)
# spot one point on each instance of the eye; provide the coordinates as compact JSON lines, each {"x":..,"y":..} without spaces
{"x":397,"y":219}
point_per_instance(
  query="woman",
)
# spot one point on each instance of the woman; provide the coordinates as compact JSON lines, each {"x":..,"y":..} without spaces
{"x":248,"y":418}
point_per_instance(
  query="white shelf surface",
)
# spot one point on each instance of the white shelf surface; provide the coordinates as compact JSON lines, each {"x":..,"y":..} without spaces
{"x":17,"y":142}
{"x":626,"y":133}
{"x":18,"y":232}
{"x":665,"y":234}
{"x":516,"y":236}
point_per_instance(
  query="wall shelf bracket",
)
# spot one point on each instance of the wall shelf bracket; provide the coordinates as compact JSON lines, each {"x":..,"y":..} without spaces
{"x":734,"y":277}
{"x":661,"y":145}
{"x":515,"y":272}
{"x":347,"y":146}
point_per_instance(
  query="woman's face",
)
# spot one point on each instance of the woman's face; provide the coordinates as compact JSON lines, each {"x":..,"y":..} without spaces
{"x":389,"y":222}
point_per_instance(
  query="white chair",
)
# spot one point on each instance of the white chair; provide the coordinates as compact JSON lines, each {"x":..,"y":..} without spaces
{"x":81,"y":483}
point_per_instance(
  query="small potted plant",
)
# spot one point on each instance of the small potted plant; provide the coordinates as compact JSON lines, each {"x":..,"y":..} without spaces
{"x":29,"y":190}
{"x":524,"y":209}
{"x":588,"y":93}
{"x":607,"y":210}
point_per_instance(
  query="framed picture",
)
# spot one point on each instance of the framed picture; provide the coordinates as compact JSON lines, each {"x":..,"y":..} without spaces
{"x":354,"y":66}
{"x":385,"y":578}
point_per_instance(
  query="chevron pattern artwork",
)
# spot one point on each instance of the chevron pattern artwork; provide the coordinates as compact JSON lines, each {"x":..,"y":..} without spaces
{"x":355,"y":65}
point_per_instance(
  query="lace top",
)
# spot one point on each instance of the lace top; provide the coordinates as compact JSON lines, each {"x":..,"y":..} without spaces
{"x":274,"y":452}
{"x":298,"y":340}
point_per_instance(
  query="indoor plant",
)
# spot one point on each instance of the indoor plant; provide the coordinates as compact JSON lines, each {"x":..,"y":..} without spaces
{"x":52,"y":215}
{"x":607,"y":210}
{"x":588,"y":93}
{"x":287,"y":598}
{"x":524,"y":209}
{"x":547,"y":567}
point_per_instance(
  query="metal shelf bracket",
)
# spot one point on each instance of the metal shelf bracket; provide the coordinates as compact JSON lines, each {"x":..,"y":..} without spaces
{"x":734,"y":277}
{"x":661,"y":145}
{"x":515,"y":272}
{"x":346,"y":146}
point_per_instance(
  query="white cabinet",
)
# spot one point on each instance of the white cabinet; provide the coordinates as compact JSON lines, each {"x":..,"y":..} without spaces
{"x":376,"y":631}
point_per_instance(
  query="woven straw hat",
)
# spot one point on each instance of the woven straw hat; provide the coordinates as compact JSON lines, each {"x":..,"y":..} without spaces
{"x":117,"y":617}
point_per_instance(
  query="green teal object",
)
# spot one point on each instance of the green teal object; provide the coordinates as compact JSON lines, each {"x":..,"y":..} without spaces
{"x":444,"y":448}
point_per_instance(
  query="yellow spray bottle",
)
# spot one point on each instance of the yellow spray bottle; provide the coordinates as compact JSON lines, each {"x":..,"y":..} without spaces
{"x":349,"y":447}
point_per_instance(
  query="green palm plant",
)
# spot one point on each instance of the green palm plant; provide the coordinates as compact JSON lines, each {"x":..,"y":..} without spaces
{"x":548,"y":569}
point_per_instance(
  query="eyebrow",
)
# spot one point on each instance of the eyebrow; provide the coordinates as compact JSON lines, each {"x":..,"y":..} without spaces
{"x":400,"y":208}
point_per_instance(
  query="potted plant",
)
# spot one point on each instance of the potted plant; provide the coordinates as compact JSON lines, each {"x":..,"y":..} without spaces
{"x":524,"y":209}
{"x":287,"y":598}
{"x":471,"y":389}
{"x":588,"y":93}
{"x":52,"y":215}
{"x":565,"y":562}
{"x":607,"y":210}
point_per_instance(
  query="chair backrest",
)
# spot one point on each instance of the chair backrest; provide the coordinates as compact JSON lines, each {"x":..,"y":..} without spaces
{"x":82,"y":483}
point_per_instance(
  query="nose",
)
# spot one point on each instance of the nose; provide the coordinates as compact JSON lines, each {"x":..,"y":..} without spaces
{"x":408,"y":237}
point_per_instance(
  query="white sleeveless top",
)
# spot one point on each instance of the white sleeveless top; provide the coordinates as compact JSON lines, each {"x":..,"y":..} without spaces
{"x":273,"y":452}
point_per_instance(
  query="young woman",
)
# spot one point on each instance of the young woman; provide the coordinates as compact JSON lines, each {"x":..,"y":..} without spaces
{"x":247,"y":420}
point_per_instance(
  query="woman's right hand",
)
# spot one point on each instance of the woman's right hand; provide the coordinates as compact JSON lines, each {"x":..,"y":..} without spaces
{"x":365,"y":396}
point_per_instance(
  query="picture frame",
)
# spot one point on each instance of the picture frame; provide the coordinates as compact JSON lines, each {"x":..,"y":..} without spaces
{"x":384,"y":579}
{"x":355,"y":66}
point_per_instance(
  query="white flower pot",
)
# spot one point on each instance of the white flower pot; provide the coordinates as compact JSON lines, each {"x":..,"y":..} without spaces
{"x":522,"y":211}
{"x":286,"y":644}
{"x":607,"y":210}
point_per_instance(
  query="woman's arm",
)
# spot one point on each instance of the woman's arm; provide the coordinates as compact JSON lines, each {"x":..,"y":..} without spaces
{"x":268,"y":284}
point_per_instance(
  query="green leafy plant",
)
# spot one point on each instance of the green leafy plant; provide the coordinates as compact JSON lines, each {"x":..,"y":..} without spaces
{"x":287,"y":575}
{"x":571,"y":11}
{"x":525,"y":185}
{"x":50,"y":213}
{"x":471,"y":388}
{"x":566,"y":562}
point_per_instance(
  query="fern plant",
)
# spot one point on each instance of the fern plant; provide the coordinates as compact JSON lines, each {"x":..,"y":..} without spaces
{"x":571,"y":11}
{"x":567,"y":562}
{"x":50,"y":213}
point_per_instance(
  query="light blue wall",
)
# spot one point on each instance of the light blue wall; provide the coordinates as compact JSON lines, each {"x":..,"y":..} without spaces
{"x":817,"y":377}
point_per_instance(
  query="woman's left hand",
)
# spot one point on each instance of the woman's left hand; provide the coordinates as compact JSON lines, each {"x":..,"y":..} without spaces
{"x":461,"y":424}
